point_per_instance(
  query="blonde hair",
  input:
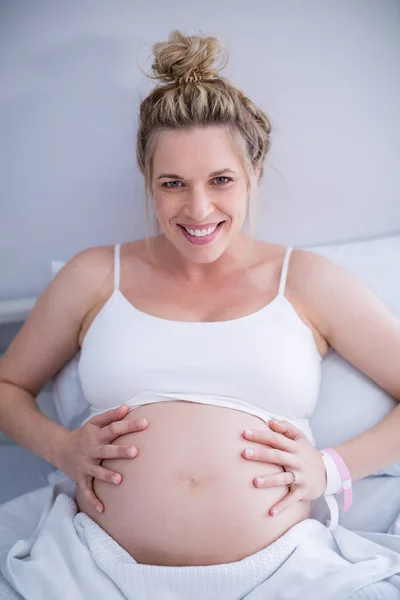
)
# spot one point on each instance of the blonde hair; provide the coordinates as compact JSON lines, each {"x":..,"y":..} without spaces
{"x":195,"y":95}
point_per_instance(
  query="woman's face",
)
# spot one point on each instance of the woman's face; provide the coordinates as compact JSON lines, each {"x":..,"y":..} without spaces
{"x":199,"y":190}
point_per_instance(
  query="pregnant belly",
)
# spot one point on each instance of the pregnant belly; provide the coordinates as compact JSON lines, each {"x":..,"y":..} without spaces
{"x":188,"y":497}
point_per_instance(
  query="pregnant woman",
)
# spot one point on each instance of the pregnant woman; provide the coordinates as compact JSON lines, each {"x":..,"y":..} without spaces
{"x":204,"y":333}
{"x":189,"y":478}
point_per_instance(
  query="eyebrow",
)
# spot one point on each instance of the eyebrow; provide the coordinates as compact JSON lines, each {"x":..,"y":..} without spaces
{"x":213,"y":174}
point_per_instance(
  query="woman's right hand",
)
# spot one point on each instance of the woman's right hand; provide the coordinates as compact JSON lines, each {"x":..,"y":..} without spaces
{"x":87,"y":446}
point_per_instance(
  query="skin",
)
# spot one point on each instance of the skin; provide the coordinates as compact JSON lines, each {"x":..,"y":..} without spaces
{"x":196,"y":199}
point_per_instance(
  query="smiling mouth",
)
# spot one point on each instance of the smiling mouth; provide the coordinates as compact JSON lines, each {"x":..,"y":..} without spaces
{"x":203,"y":235}
{"x":201,"y":231}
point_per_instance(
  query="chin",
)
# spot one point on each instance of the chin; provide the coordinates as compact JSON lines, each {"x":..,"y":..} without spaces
{"x":199,"y":254}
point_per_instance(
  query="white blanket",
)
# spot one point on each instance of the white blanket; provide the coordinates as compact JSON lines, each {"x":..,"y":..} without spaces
{"x":50,"y":551}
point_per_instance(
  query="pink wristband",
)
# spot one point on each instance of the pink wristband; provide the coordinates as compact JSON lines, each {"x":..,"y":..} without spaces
{"x":346,"y":477}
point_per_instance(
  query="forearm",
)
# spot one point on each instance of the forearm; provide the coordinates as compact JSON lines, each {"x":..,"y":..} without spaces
{"x":373,"y":449}
{"x":22,"y":421}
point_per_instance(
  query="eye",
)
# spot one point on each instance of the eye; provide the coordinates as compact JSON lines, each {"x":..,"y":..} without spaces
{"x":227,"y":178}
{"x":171,"y":184}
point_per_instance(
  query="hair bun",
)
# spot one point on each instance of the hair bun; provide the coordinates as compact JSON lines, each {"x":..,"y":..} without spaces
{"x":186,"y":58}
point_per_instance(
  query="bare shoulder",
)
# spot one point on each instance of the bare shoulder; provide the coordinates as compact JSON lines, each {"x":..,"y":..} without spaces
{"x":141,"y":257}
{"x":136,"y":251}
{"x":89,"y":273}
{"x":305,"y":272}
{"x":350,"y":315}
{"x":93,"y":266}
{"x":308,"y":277}
{"x":55,"y":321}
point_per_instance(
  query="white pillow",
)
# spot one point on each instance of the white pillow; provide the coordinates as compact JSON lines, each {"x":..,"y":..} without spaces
{"x":349,"y":402}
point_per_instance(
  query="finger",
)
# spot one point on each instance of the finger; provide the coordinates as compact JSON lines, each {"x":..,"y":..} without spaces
{"x":109,"y":416}
{"x":86,"y":486}
{"x":289,"y":500}
{"x":105,"y":474}
{"x":266,"y":436}
{"x":115,"y":451}
{"x":117,"y":428}
{"x":271,"y":455}
{"x":278,"y":479}
{"x":286,"y":428}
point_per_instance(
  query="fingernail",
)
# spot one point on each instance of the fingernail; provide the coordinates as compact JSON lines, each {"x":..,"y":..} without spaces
{"x":99,"y":509}
{"x":248,"y":432}
{"x":141,"y":423}
{"x":260,"y":480}
{"x":130,"y":452}
{"x":249,"y":452}
{"x":274,"y":512}
{"x":116,"y":478}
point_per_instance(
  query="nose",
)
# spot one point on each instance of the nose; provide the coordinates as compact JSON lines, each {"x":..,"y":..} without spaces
{"x":198,"y":206}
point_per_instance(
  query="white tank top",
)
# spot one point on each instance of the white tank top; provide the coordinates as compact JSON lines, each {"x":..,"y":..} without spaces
{"x":266,"y":363}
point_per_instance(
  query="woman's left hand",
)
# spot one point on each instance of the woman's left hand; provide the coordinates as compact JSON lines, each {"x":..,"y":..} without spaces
{"x":289,"y":448}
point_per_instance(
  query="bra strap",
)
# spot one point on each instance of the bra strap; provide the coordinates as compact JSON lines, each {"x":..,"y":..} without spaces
{"x":284,"y":271}
{"x":117,"y":261}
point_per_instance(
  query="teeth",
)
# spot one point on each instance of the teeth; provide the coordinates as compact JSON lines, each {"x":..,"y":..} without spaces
{"x":201,"y":233}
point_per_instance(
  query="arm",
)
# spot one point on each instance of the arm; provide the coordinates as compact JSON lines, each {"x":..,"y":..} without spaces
{"x":47,"y":340}
{"x":22,"y":420}
{"x":373,"y":449}
{"x":366,"y":333}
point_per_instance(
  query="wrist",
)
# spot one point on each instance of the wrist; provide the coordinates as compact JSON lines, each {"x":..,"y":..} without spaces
{"x":334,"y":481}
{"x":346,"y":487}
{"x":57,"y":448}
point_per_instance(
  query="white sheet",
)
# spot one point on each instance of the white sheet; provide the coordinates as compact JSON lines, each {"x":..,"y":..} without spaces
{"x":375,"y":508}
{"x":55,"y":552}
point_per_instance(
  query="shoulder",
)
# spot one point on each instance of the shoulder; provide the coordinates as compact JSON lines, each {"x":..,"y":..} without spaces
{"x":317,"y":280}
{"x":93,"y":267}
{"x":55,"y":321}
{"x":89,"y":268}
{"x":299,"y":260}
{"x":307,"y":276}
{"x":137,"y":250}
{"x":304,"y":267}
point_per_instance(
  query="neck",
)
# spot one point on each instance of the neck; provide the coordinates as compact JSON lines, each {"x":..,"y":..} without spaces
{"x":236,"y":257}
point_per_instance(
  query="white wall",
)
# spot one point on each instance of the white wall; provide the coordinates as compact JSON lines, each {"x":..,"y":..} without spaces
{"x":326,"y":72}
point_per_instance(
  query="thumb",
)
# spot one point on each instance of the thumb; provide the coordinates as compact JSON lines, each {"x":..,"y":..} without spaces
{"x":105,"y":418}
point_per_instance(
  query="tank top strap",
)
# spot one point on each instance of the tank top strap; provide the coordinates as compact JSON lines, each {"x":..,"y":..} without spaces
{"x":284,"y":271}
{"x":117,"y":267}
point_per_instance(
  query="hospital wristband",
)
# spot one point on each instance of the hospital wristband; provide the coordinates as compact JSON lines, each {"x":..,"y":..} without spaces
{"x":346,"y":487}
{"x":334,"y":481}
